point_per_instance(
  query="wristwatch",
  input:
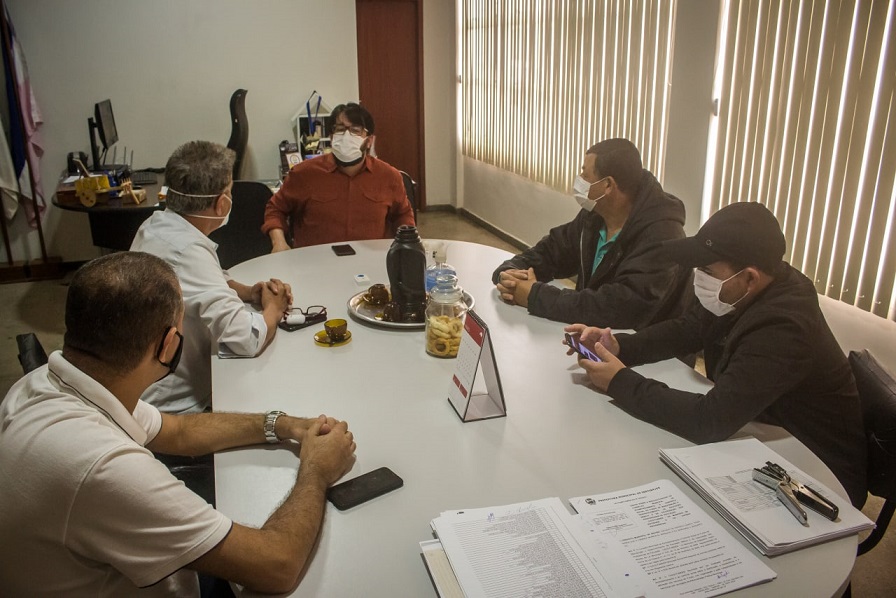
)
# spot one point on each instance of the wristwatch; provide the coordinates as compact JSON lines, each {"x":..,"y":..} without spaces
{"x":270,"y":420}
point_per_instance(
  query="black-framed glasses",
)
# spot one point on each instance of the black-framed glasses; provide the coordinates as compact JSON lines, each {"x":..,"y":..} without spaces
{"x":356,"y":130}
{"x":311,"y":311}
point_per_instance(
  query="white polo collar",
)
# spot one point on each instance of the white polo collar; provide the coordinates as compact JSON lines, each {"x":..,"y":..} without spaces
{"x":179,"y":222}
{"x":69,"y":378}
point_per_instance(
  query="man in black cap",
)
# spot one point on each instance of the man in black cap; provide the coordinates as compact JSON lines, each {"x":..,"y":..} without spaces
{"x":766,"y":346}
{"x":612,"y":245}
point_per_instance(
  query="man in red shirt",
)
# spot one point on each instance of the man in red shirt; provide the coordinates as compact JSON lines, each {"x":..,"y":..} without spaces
{"x":343,"y":196}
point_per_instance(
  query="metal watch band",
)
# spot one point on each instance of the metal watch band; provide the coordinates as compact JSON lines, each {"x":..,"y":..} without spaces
{"x":270,"y":420}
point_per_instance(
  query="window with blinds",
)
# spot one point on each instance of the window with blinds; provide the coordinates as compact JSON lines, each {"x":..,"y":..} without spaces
{"x":544,"y":80}
{"x":807,"y":126}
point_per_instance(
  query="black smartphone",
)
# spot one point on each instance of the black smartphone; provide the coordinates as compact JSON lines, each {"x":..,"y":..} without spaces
{"x":364,"y":487}
{"x":343,"y":249}
{"x":573,"y":341}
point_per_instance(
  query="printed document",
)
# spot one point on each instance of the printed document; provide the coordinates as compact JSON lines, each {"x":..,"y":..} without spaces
{"x":722,"y":474}
{"x":518,"y":550}
{"x":654,"y":541}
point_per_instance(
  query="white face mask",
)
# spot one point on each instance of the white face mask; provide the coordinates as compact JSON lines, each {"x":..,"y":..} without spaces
{"x":226,"y":217}
{"x":347,"y":148}
{"x":582,"y":188}
{"x":708,"y":289}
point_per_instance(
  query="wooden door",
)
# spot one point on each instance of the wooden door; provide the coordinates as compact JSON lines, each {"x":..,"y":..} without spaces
{"x":390,"y":81}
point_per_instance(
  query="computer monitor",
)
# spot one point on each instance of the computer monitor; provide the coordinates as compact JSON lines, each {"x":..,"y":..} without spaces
{"x":103,"y":121}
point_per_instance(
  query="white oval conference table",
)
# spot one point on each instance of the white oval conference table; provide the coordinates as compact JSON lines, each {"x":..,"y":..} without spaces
{"x":560,"y":437}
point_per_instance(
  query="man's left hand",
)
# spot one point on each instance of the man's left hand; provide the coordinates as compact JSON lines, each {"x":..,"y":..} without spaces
{"x":295,"y":428}
{"x":277,"y":286}
{"x":515,"y":286}
{"x":601,"y":373}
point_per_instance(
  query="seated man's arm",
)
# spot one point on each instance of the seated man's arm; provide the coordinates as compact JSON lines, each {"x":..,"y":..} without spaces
{"x":271,"y":559}
{"x":207,"y":292}
{"x":556,"y":255}
{"x":641,"y":286}
{"x":274,"y":297}
{"x":285,"y":201}
{"x":759,"y":372}
{"x":665,"y":340}
{"x":197,"y":434}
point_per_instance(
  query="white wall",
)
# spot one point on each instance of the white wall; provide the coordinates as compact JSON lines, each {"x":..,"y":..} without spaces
{"x":440,"y":106}
{"x":526,"y":210}
{"x":170,"y":66}
{"x":690,"y":106}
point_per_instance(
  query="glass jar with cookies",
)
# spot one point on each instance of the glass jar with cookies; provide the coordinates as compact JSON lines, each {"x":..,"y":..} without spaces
{"x":445,"y":315}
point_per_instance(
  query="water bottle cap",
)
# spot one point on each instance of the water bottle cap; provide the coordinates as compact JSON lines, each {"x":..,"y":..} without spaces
{"x":446,"y":289}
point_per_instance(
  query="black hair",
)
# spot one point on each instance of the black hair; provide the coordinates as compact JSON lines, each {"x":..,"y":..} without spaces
{"x":620,"y":159}
{"x":120,"y":305}
{"x":355,"y":114}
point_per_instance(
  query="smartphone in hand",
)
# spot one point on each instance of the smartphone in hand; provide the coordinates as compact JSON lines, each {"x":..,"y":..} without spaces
{"x":576,"y":344}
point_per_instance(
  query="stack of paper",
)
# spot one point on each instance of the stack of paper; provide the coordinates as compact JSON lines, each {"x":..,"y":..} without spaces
{"x":645,"y":541}
{"x":722,"y":474}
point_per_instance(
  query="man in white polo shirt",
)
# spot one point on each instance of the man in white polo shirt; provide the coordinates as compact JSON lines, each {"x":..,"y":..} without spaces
{"x":199,"y":178}
{"x":86,"y":508}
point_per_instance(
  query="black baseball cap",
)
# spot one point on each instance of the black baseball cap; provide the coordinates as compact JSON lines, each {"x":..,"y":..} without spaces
{"x":745,"y":233}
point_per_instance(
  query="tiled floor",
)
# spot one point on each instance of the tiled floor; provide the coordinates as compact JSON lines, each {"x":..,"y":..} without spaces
{"x":39,"y":307}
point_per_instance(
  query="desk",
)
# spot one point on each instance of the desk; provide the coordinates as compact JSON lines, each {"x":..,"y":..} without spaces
{"x":560,"y":437}
{"x":113,"y":226}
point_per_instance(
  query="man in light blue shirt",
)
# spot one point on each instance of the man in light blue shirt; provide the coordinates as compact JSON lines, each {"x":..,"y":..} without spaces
{"x":198,"y":176}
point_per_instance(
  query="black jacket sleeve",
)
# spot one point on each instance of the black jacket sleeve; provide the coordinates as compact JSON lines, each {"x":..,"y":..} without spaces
{"x":555,"y":256}
{"x":643,"y":278}
{"x":664,"y":340}
{"x":760,"y":370}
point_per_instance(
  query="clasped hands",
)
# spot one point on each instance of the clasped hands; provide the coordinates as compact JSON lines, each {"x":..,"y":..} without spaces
{"x":272,"y":290}
{"x":328,"y":446}
{"x":603,"y":344}
{"x":515,"y":285}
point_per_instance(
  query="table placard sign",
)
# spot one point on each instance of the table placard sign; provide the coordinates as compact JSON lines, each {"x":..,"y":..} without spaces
{"x":475,"y":350}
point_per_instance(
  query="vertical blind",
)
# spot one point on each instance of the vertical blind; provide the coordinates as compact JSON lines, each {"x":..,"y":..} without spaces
{"x":807,"y":126}
{"x":543,"y":80}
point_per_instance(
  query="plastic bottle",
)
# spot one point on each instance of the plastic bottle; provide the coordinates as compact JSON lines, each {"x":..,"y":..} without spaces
{"x":405,"y":264}
{"x":441,"y":266}
{"x":445,"y":315}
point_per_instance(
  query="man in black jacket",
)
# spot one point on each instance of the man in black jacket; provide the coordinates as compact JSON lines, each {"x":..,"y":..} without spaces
{"x":766,"y":344}
{"x":613,"y":246}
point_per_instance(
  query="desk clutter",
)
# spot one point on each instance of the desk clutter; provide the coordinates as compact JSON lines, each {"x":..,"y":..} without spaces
{"x":89,"y":189}
{"x":723,"y":474}
{"x":651,"y":540}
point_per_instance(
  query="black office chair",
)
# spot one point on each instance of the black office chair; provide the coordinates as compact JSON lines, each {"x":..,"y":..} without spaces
{"x":877,"y":392}
{"x":239,"y":132}
{"x":31,"y":353}
{"x":410,"y":188}
{"x":242,"y":238}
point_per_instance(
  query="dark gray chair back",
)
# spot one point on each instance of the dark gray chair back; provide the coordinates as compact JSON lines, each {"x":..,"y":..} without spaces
{"x":410,"y":188}
{"x":31,"y":353}
{"x":242,"y":238}
{"x":239,"y":130}
{"x":877,"y":392}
